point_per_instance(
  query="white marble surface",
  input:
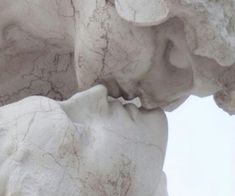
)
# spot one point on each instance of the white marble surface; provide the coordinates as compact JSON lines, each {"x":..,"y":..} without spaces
{"x":143,"y":12}
{"x":85,"y":146}
{"x":161,"y":51}
{"x":36,"y":54}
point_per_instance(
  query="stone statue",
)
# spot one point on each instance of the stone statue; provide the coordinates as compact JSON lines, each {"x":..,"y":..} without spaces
{"x":84,"y":146}
{"x":160,"y":51}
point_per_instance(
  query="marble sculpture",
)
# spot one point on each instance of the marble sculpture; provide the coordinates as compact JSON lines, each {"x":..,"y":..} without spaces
{"x":86,"y":145}
{"x":82,"y":56}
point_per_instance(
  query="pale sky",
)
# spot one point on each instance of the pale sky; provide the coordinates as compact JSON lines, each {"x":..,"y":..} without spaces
{"x":200,"y":157}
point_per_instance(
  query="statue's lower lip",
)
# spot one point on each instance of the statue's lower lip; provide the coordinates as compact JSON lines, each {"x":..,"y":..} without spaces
{"x":134,"y":107}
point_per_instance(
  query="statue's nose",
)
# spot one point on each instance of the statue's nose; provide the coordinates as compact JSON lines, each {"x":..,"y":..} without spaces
{"x":86,"y":103}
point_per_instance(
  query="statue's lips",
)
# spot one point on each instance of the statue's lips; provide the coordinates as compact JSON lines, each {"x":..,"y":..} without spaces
{"x":140,"y":97}
{"x":135,"y":109}
{"x":96,"y":102}
{"x":142,"y":105}
{"x":136,"y":101}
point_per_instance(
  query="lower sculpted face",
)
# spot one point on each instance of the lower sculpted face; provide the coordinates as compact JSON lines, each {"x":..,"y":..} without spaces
{"x":85,"y":146}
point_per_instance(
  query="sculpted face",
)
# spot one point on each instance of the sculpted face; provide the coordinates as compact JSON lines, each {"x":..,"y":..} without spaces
{"x":133,"y":61}
{"x":86,"y":145}
{"x":161,"y":51}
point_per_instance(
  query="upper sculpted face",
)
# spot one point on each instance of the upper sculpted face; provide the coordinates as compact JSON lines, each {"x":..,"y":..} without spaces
{"x":85,"y":146}
{"x":161,"y":51}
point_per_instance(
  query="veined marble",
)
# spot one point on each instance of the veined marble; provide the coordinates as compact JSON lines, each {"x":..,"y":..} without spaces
{"x":84,"y":146}
{"x":161,"y":51}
